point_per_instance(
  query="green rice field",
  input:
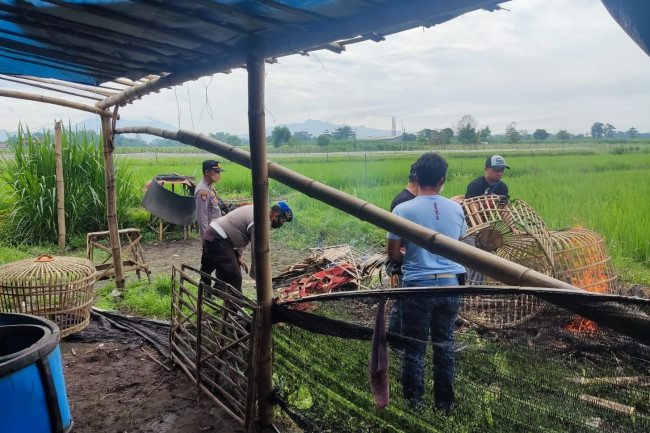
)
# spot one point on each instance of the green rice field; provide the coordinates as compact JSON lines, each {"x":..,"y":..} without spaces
{"x":604,"y":192}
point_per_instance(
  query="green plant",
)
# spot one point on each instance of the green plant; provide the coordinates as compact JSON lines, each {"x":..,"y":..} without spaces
{"x":30,"y":179}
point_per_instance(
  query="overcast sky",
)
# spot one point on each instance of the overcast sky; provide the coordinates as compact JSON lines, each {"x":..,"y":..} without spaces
{"x":551,"y":64}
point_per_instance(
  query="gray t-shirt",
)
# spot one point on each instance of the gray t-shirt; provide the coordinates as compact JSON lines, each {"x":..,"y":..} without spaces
{"x":238,"y":225}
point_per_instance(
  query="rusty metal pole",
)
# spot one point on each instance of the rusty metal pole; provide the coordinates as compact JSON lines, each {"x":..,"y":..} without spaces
{"x":257,"y":134}
{"x":60,"y":191}
{"x":111,"y":201}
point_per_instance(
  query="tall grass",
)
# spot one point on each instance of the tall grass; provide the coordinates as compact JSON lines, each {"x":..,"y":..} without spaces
{"x":29,"y":203}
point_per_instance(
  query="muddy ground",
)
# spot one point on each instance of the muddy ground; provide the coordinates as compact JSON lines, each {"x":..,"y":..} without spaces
{"x":117,"y":387}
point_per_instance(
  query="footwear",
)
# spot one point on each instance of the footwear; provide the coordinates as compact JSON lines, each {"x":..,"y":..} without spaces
{"x":445,"y":407}
{"x":415,"y":404}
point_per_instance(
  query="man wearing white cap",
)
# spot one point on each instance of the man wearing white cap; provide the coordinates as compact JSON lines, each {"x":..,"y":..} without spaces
{"x":491,"y":183}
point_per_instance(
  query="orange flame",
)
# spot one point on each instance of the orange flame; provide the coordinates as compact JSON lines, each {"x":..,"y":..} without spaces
{"x":580,"y":325}
{"x":592,"y":279}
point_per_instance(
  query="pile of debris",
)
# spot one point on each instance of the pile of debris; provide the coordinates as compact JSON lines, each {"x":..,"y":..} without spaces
{"x":327,"y":269}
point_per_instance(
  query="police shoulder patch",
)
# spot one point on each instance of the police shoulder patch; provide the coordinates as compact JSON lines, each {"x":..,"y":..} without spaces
{"x":204,"y":195}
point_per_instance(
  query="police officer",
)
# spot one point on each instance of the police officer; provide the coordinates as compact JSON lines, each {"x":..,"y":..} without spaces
{"x":226,"y":237}
{"x":208,"y":204}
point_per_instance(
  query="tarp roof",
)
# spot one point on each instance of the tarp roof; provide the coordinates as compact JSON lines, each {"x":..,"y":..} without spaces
{"x":93,"y":41}
{"x":160,"y":43}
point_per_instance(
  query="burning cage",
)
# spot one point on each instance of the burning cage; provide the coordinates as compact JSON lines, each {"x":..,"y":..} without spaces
{"x":581,"y":259}
{"x":514,"y":231}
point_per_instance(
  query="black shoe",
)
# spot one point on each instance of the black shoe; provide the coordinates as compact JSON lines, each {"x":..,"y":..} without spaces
{"x":445,"y":407}
{"x":415,"y":404}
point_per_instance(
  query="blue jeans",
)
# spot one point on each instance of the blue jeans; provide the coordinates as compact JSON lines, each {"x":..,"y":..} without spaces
{"x":436,"y":316}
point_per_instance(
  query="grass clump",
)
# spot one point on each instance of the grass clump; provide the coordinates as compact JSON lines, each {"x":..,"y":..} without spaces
{"x":139,"y":298}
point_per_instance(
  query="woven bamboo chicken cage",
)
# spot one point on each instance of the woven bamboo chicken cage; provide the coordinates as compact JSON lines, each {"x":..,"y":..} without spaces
{"x":56,"y":288}
{"x":514,"y":231}
{"x":581,"y":259}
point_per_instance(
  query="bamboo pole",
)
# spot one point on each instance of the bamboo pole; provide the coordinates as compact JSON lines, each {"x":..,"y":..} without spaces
{"x":615,"y":317}
{"x":55,"y":101}
{"x":95,"y":90}
{"x":608,"y":404}
{"x":111,"y":201}
{"x":60,"y":194}
{"x":260,"y":175}
{"x":28,"y":82}
{"x":618,"y":381}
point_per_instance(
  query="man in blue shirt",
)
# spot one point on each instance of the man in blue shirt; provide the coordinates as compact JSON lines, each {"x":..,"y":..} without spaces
{"x":434,"y":315}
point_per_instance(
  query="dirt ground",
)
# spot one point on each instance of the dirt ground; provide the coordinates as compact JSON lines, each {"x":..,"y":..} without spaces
{"x":117,"y":387}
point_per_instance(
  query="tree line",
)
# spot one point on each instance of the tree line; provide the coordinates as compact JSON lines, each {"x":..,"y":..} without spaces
{"x":466,"y":131}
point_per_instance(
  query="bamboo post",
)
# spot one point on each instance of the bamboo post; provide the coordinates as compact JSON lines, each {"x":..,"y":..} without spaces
{"x":60,"y":195}
{"x":111,"y":201}
{"x":608,"y":404}
{"x":257,"y":133}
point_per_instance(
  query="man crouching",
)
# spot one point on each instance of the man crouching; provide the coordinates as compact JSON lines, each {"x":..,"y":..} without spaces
{"x":225,"y":239}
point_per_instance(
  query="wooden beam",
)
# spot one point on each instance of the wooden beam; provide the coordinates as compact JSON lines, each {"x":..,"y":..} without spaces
{"x":111,"y":201}
{"x":55,"y":101}
{"x":260,"y":176}
{"x":90,"y":89}
{"x":60,"y":194}
{"x":50,"y":88}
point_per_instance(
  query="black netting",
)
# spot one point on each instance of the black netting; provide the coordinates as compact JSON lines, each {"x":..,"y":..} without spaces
{"x":582,"y":363}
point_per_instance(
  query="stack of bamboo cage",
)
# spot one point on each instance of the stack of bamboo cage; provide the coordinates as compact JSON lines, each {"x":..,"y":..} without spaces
{"x":59,"y":289}
{"x":581,"y":259}
{"x":514,"y":231}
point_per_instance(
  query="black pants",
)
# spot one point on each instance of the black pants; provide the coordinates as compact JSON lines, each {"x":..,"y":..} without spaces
{"x":220,"y":255}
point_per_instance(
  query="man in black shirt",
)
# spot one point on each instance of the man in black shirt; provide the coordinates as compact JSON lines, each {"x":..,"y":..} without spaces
{"x":491,"y":183}
{"x":407,"y":193}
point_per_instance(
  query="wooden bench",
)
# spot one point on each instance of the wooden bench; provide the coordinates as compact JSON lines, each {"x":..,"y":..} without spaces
{"x":132,"y":255}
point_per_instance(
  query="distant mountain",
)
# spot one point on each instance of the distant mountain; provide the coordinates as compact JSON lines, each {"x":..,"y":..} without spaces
{"x":93,"y":124}
{"x":317,"y":127}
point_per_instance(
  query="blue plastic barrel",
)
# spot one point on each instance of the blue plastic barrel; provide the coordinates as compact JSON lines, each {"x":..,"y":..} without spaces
{"x":32,"y":389}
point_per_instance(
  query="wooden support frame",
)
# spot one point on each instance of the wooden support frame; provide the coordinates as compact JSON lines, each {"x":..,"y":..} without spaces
{"x":130,"y":252}
{"x":214,"y":339}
